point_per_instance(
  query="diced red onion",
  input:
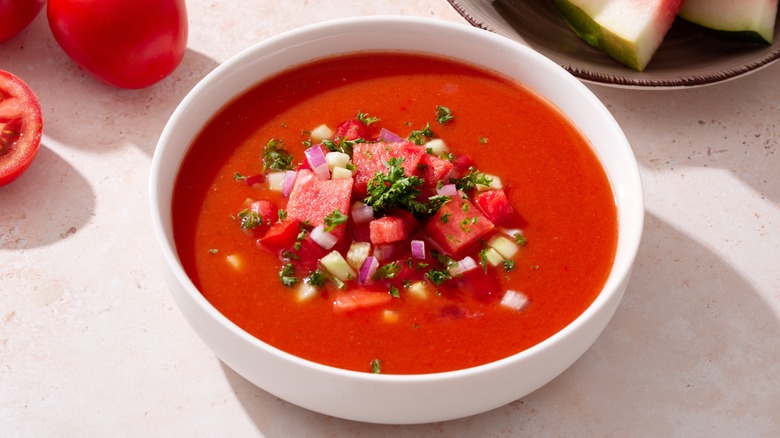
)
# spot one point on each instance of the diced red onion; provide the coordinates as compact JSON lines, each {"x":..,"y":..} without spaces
{"x":316,"y":158}
{"x":287,"y":183}
{"x":514,"y":300}
{"x":362,"y":214}
{"x":323,"y":238}
{"x":447,"y":190}
{"x":368,"y":269}
{"x":465,"y":265}
{"x":418,"y":249}
{"x":389,"y":136}
{"x":384,"y":251}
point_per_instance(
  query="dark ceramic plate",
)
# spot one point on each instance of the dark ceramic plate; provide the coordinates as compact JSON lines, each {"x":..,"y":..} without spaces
{"x":690,"y":56}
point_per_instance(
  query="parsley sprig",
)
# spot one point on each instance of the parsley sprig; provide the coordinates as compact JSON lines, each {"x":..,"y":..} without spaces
{"x":396,"y":190}
{"x":335,"y":219}
{"x":275,"y":157}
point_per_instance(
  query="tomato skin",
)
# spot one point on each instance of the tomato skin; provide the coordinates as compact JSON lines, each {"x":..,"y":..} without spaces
{"x":21,"y":127}
{"x":16,"y":15}
{"x":125,"y":43}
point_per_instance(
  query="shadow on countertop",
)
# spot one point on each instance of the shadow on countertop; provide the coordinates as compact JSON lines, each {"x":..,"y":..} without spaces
{"x":691,"y":341}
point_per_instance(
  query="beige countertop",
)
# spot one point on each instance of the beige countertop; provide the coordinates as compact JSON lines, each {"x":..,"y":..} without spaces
{"x":91,"y":343}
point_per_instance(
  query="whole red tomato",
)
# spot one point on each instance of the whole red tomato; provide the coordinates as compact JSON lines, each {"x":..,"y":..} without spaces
{"x":21,"y":127}
{"x":124,"y":43}
{"x":16,"y":15}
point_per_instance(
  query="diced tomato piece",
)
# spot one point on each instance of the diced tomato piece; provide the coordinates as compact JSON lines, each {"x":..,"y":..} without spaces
{"x":457,"y":226}
{"x":282,"y":234}
{"x":485,"y":285}
{"x":434,"y":169}
{"x":388,"y":229}
{"x":352,"y":129}
{"x":495,"y":205}
{"x":370,"y":158}
{"x":360,"y":299}
{"x":309,"y":254}
{"x":312,"y":199}
{"x":461,"y":164}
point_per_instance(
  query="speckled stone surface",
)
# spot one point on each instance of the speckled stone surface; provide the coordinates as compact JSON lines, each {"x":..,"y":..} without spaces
{"x":91,"y":343}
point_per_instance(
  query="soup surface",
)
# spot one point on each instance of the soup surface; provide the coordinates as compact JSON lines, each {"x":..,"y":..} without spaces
{"x":532,"y":208}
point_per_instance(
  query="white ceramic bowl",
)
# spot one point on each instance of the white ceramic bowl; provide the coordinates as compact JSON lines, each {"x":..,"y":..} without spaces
{"x":397,"y":399}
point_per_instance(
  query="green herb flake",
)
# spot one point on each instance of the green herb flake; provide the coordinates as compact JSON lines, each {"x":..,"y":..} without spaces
{"x":376,"y":366}
{"x":445,"y":218}
{"x":418,"y":137}
{"x":213,"y":251}
{"x":471,"y":180}
{"x":275,"y":157}
{"x":250,"y":219}
{"x":438,"y":276}
{"x":287,"y":275}
{"x":335,"y":219}
{"x":316,"y":278}
{"x":520,"y":239}
{"x":282,"y":214}
{"x":388,"y":271}
{"x":509,"y":265}
{"x":394,"y":292}
{"x":483,"y":140}
{"x":238,"y":176}
{"x":483,"y":260}
{"x":366,"y":119}
{"x":443,"y":114}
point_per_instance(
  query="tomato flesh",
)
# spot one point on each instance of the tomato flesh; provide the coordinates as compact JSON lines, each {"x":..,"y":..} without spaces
{"x":21,"y":127}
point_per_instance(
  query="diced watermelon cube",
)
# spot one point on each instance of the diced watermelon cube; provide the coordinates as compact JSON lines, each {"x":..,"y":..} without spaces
{"x":457,"y":226}
{"x":352,"y":129}
{"x":434,"y":169}
{"x":282,"y":234}
{"x":370,"y":158}
{"x":312,"y":199}
{"x":360,"y":299}
{"x":388,"y":229}
{"x":495,"y":205}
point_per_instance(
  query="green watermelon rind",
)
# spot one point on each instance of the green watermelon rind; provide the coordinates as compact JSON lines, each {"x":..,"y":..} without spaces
{"x":591,"y":32}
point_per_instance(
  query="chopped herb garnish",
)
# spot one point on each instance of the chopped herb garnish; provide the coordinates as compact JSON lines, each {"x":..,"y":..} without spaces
{"x":394,"y":189}
{"x":287,"y":275}
{"x":483,"y":140}
{"x":335,"y":219}
{"x":342,"y":145}
{"x":237,"y":176}
{"x":394,"y":292}
{"x":213,"y":251}
{"x":366,"y":119}
{"x":445,"y":218}
{"x":483,"y":260}
{"x":388,"y":271}
{"x":376,"y":366}
{"x":464,"y":225}
{"x":275,"y":157}
{"x":250,"y":219}
{"x":282,"y":214}
{"x":443,"y":114}
{"x":509,"y":265}
{"x":418,"y":137}
{"x":316,"y":278}
{"x":471,"y":180}
{"x":290,"y":255}
{"x":520,"y":239}
{"x":438,"y":276}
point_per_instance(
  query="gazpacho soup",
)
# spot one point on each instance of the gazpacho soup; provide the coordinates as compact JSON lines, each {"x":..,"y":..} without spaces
{"x":395,"y":213}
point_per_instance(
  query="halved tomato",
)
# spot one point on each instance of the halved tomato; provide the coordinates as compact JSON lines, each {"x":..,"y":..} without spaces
{"x":21,"y":127}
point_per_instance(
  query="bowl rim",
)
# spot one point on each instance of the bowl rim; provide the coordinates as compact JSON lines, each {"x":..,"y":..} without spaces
{"x":620,"y":271}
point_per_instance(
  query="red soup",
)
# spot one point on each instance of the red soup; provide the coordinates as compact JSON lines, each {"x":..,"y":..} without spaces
{"x":395,"y":213}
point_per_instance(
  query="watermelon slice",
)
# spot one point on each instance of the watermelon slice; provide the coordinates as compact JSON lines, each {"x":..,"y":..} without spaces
{"x":630,"y":31}
{"x":457,"y":226}
{"x":370,"y":158}
{"x":752,"y":20}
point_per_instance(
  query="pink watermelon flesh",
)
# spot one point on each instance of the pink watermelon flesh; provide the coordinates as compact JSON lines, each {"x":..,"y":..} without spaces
{"x":313,"y":198}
